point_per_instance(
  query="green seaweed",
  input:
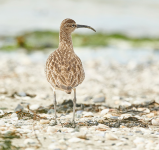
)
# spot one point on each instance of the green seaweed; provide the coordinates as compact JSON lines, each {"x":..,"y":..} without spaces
{"x":7,"y":145}
{"x":39,"y":40}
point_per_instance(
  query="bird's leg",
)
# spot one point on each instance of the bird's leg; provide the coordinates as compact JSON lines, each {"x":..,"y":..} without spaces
{"x":55,"y":105}
{"x":74,"y":107}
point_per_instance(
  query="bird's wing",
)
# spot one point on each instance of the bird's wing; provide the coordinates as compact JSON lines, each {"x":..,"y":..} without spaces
{"x":65,"y":72}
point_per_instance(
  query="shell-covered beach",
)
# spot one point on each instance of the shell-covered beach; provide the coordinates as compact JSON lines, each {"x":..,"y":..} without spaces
{"x":118,"y":102}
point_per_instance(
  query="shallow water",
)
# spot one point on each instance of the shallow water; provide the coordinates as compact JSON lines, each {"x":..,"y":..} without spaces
{"x":107,"y":55}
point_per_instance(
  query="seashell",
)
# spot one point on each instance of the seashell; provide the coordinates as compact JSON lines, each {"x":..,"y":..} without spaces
{"x":107,"y":116}
{"x":111,"y":136}
{"x":155,"y":122}
{"x":44,"y":121}
{"x":2,"y":123}
{"x":150,"y":115}
{"x":81,"y":135}
{"x":34,"y":107}
{"x":104,"y":111}
{"x":89,"y":114}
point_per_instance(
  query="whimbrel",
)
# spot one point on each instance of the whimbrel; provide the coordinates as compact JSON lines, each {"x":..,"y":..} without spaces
{"x":64,"y":70}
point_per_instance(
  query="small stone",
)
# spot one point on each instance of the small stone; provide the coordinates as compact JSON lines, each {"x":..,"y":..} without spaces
{"x":79,"y":112}
{"x":44,"y":121}
{"x":99,"y":100}
{"x":1,"y":112}
{"x":2,"y":123}
{"x":114,"y":117}
{"x":51,"y":111}
{"x":103,"y":112}
{"x":125,"y":116}
{"x":19,"y":108}
{"x":87,"y":98}
{"x":21,"y":94}
{"x":155,"y":122}
{"x":89,"y":114}
{"x":130,"y":134}
{"x":34,"y":107}
{"x":29,"y":142}
{"x":110,"y":136}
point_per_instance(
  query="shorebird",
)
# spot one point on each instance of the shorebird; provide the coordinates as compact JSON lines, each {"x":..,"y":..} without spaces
{"x":64,"y":70}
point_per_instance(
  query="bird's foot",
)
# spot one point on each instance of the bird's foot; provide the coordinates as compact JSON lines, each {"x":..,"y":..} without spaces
{"x":73,"y":124}
{"x":53,"y":123}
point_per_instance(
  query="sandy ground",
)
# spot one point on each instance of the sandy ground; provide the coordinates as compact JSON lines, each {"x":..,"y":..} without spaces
{"x":100,"y":124}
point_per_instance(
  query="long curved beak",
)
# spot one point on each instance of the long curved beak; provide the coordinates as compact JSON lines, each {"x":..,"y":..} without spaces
{"x":84,"y":26}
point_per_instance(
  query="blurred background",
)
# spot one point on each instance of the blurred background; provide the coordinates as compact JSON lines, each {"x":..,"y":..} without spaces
{"x":121,"y":59}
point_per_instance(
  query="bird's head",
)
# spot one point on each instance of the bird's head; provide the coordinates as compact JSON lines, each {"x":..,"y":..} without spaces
{"x":69,"y":25}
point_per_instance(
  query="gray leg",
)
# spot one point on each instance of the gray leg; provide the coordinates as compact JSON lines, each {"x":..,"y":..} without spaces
{"x":55,"y":105}
{"x":74,"y":106}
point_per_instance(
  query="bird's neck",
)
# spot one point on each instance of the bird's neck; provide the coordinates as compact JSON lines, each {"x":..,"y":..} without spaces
{"x":65,"y":41}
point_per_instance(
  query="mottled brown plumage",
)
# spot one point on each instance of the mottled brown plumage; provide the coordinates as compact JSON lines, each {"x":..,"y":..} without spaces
{"x":64,"y":70}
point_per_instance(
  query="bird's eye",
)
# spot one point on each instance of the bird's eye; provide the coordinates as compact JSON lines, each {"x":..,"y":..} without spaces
{"x":73,"y":25}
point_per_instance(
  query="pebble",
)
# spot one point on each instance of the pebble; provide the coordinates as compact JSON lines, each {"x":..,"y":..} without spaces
{"x":87,"y":98}
{"x":19,"y":108}
{"x":155,"y":122}
{"x":44,"y":121}
{"x":111,"y":136}
{"x":2,"y":123}
{"x":34,"y":107}
{"x":1,"y":112}
{"x":125,"y":116}
{"x":103,"y":112}
{"x":51,"y":111}
{"x":99,"y":100}
{"x":88,"y":114}
{"x":29,"y":142}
